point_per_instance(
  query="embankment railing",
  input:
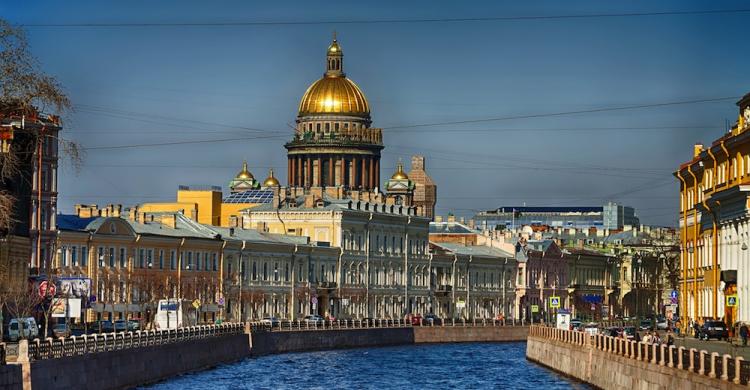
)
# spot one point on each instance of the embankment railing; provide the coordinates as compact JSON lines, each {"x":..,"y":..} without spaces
{"x":285,"y":325}
{"x":724,"y":367}
{"x":50,"y":348}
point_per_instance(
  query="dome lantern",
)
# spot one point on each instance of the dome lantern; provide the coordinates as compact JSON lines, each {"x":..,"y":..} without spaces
{"x":271,"y":181}
{"x":335,"y":57}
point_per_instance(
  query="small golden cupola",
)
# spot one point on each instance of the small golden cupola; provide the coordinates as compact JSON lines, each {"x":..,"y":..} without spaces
{"x":399,"y":187}
{"x":243,"y":181}
{"x":271,"y":181}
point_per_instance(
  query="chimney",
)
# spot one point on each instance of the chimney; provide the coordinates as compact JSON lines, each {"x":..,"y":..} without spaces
{"x":309,"y":201}
{"x":697,"y":149}
{"x":231,"y":232}
{"x":438,"y":218}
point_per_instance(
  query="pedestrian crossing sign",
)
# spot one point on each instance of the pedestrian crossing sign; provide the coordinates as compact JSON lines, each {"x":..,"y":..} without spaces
{"x":554,"y":302}
{"x":732,"y":300}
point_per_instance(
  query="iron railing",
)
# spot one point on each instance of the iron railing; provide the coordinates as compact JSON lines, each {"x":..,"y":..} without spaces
{"x":285,"y":325}
{"x":105,"y":342}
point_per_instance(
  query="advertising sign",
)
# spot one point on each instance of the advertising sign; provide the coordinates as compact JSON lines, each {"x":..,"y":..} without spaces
{"x":74,"y":287}
{"x":563,"y":319}
{"x":535,"y":308}
{"x":60,"y":305}
{"x":46,"y":289}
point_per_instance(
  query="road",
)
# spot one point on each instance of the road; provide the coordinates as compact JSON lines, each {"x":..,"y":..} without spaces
{"x":721,"y":347}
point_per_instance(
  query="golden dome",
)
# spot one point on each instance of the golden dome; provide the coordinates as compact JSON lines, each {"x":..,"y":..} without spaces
{"x":271,"y":181}
{"x":334,"y":95}
{"x":244,"y":173}
{"x":400,"y":174}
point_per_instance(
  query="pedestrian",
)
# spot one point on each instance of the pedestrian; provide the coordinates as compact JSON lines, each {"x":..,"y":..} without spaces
{"x":670,"y":339}
{"x":656,"y":339}
{"x":647,"y":338}
{"x":637,"y":336}
{"x":744,"y":334}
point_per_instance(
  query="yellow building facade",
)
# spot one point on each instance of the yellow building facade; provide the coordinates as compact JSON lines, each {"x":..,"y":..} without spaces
{"x":715,"y":228}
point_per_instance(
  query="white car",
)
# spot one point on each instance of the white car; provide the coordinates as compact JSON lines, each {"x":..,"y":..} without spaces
{"x":592,"y":329}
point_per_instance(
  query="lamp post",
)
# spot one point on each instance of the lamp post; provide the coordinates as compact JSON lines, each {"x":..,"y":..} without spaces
{"x":637,"y":290}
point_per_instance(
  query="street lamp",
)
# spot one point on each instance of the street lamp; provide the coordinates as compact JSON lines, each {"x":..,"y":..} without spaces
{"x":637,"y":291}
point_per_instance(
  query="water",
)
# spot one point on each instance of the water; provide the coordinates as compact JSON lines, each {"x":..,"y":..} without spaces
{"x":464,"y":366}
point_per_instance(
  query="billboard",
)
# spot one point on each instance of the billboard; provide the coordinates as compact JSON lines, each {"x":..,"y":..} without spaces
{"x":74,"y":287}
{"x":59,"y":306}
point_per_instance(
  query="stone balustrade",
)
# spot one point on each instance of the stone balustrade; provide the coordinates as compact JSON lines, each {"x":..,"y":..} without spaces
{"x":723,"y":367}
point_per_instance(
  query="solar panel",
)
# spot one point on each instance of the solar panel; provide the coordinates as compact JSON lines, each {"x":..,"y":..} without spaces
{"x":250,"y":196}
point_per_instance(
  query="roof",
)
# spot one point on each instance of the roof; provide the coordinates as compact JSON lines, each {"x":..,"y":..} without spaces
{"x":73,"y":222}
{"x":250,"y":196}
{"x":450,"y":228}
{"x":475,"y":250}
{"x":544,"y":209}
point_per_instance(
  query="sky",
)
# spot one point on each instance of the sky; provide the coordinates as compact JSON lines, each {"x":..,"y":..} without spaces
{"x":483,"y":90}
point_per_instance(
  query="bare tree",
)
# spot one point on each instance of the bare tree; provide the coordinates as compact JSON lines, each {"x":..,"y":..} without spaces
{"x":25,"y":91}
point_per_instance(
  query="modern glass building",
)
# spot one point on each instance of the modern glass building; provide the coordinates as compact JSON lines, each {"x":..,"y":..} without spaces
{"x":609,"y":216}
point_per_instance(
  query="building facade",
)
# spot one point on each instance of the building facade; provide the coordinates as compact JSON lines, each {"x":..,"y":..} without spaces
{"x":609,"y":216}
{"x":714,"y":226}
{"x":32,"y":138}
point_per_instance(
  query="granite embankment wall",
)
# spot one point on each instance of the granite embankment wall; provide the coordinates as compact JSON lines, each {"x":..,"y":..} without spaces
{"x":11,"y":377}
{"x":132,"y":367}
{"x":610,"y":371}
{"x":265,"y":343}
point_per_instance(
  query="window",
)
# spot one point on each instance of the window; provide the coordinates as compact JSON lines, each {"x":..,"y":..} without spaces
{"x":286,"y":272}
{"x":150,"y":258}
{"x":265,"y":271}
{"x":74,"y":256}
{"x":141,"y":257}
{"x":161,"y":259}
{"x":189,"y":264}
{"x":84,"y":256}
{"x":198,"y":261}
{"x":112,"y":257}
{"x":216,"y":263}
{"x":64,"y":256}
{"x":276,"y":272}
{"x":123,"y":258}
{"x":255,"y":271}
{"x":205,"y":262}
{"x":172,"y":260}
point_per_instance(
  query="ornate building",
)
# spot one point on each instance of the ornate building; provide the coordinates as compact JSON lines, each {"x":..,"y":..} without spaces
{"x":715,"y":226}
{"x":425,"y":189}
{"x":334,"y":144}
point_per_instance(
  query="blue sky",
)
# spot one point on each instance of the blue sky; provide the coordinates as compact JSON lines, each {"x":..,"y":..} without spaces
{"x":165,"y":84}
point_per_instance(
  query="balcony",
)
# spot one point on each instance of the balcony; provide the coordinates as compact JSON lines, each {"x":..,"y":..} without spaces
{"x":443,"y":290}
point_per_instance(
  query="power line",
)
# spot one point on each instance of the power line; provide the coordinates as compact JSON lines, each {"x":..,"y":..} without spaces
{"x":383,"y":21}
{"x":564,"y":113}
{"x":178,"y":143}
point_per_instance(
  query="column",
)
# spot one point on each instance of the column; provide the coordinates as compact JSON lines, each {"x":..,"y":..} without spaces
{"x":331,"y":172}
{"x":377,"y":172}
{"x":371,"y":181}
{"x":289,"y":170}
{"x":299,"y":177}
{"x":320,"y":172}
{"x":354,"y":183}
{"x":363,"y":179}
{"x":309,"y":178}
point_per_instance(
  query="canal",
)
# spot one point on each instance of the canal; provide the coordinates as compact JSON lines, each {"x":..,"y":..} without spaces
{"x":468,"y":366}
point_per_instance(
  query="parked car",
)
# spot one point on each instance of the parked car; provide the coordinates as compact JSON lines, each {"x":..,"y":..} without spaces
{"x":22,"y":328}
{"x":592,"y":329}
{"x":612,"y":331}
{"x":314,"y":319}
{"x":105,"y":326}
{"x":645,"y":325}
{"x":61,"y":331}
{"x":415,"y":320}
{"x":121,"y":326}
{"x":431,"y":319}
{"x":629,"y":332}
{"x":713,"y":329}
{"x":576,"y":324}
{"x":271,"y":321}
{"x":134,"y":325}
{"x":661,"y":323}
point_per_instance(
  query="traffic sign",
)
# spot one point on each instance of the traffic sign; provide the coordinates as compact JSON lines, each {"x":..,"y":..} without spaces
{"x":221,"y":301}
{"x":47,"y":289}
{"x":554,"y":302}
{"x":732,"y":300}
{"x":674,"y":294}
{"x":196,"y":304}
{"x":535,"y":308}
{"x":314,"y":300}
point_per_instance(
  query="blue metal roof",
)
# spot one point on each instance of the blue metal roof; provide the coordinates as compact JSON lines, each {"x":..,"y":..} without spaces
{"x":73,"y":222}
{"x":250,"y":196}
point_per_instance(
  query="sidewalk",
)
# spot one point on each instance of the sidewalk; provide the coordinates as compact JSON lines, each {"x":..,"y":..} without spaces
{"x":721,"y":347}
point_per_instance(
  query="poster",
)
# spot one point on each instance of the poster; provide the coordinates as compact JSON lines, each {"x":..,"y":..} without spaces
{"x":59,"y":305}
{"x":74,"y":287}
